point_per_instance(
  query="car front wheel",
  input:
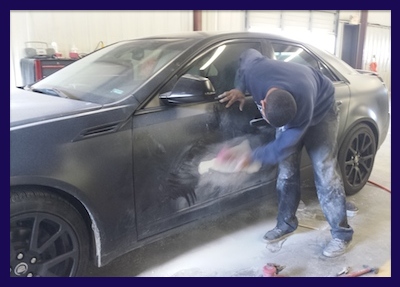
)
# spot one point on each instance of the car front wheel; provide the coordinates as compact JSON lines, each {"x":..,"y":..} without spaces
{"x":48,"y":237}
{"x":356,"y":158}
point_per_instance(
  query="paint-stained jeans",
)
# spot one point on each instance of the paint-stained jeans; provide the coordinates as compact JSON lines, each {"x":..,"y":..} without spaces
{"x":321,"y":145}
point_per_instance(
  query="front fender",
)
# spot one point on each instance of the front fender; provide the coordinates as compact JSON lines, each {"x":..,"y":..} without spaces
{"x":74,"y":196}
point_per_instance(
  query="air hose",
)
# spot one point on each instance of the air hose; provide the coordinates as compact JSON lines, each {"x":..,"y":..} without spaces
{"x":380,"y":186}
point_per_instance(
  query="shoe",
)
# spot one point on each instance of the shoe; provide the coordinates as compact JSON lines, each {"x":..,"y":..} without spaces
{"x":335,"y":248}
{"x":351,"y":209}
{"x":275,"y":235}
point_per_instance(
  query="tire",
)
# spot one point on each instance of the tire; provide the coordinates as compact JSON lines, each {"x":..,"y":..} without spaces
{"x":48,"y":237}
{"x":356,"y":158}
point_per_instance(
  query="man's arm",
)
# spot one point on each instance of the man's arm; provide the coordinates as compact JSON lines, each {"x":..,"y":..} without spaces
{"x":279,"y":149}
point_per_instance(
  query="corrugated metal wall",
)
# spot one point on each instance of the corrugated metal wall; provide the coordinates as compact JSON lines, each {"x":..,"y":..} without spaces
{"x":378,"y":43}
{"x":86,"y":29}
{"x":226,"y":20}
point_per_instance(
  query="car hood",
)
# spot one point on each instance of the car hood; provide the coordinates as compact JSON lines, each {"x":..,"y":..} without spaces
{"x":28,"y":107}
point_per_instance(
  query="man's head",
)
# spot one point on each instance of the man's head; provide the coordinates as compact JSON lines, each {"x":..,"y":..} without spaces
{"x":278,"y":107}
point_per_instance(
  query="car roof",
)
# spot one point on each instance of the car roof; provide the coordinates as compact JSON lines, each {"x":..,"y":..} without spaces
{"x":218,"y":34}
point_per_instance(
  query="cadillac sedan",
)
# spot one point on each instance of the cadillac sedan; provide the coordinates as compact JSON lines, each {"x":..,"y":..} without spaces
{"x":106,"y":153}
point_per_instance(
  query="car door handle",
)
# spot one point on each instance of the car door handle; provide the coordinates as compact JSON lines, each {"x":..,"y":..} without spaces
{"x":258,"y":122}
{"x":339,"y":103}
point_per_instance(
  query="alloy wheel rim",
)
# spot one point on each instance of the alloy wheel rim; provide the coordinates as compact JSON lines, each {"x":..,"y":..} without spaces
{"x":359,"y":159}
{"x":42,"y":245}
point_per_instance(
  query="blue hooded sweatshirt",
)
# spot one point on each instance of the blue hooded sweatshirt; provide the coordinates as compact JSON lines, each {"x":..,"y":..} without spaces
{"x":312,"y":91}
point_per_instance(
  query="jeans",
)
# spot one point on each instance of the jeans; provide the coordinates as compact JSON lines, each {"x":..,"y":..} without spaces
{"x":320,"y":142}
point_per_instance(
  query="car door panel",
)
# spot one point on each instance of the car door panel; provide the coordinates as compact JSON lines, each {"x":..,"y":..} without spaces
{"x":170,"y":144}
{"x":171,"y":141}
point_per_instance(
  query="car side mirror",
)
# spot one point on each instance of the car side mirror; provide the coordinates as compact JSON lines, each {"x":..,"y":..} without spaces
{"x":190,"y":89}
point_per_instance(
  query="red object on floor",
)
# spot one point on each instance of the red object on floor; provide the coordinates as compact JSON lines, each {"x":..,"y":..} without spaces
{"x":272,"y":270}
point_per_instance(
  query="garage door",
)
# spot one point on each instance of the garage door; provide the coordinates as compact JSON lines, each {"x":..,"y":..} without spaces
{"x":318,"y":27}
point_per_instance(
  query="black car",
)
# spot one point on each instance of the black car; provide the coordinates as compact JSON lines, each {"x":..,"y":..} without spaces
{"x":105,"y":153}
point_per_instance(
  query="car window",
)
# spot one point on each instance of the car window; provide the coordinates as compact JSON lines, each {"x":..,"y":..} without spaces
{"x":218,"y":64}
{"x":296,"y":54}
{"x":114,"y":72}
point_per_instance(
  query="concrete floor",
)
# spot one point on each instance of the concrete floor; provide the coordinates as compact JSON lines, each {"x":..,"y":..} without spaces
{"x":231,"y":245}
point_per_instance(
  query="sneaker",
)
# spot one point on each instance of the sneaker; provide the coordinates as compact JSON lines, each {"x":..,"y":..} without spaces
{"x":275,"y":235}
{"x":335,"y":248}
{"x":351,"y":209}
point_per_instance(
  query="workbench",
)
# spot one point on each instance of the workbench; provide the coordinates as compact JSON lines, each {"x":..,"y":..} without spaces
{"x":35,"y":69}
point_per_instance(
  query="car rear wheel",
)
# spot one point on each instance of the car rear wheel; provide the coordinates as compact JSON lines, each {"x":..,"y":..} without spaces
{"x":356,"y":158}
{"x":48,"y":237}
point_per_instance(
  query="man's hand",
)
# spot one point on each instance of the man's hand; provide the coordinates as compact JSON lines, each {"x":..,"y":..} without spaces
{"x":231,"y":97}
{"x":244,"y":162}
{"x":227,"y":155}
{"x":234,"y":159}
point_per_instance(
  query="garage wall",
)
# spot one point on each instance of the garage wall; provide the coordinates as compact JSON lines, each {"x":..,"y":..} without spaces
{"x":377,"y":39}
{"x":85,"y":29}
{"x":378,"y":44}
{"x":88,"y":29}
{"x":227,"y":20}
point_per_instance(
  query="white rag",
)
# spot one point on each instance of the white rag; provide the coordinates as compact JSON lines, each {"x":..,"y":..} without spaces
{"x":230,"y":166}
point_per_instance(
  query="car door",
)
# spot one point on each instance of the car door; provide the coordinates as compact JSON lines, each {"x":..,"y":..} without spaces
{"x":170,"y":142}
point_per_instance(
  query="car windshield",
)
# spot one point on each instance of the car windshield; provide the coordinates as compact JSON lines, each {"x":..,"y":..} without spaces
{"x":113,"y":72}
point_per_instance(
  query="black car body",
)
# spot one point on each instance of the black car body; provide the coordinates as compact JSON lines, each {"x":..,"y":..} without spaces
{"x":105,"y":152}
